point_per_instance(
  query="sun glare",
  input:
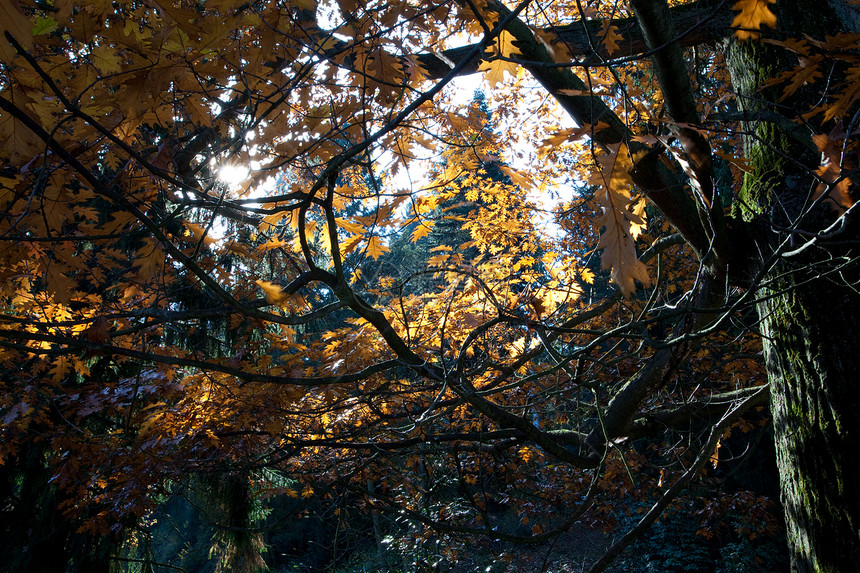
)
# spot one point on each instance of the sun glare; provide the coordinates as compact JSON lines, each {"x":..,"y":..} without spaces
{"x":233,"y":175}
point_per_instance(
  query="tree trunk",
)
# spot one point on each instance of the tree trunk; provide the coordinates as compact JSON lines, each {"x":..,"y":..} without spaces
{"x":810,"y":334}
{"x":809,"y":307}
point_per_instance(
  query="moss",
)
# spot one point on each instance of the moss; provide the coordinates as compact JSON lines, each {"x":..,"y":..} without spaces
{"x":768,"y":169}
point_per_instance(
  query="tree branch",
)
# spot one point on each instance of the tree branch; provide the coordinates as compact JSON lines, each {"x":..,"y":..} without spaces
{"x":700,"y":22}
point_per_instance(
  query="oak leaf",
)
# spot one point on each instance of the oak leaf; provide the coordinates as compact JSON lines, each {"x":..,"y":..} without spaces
{"x":836,"y":187}
{"x":60,"y":369}
{"x":375,"y":248}
{"x":753,"y":15}
{"x":274,"y":293}
{"x":198,"y":233}
{"x":421,"y":230}
{"x":385,"y":67}
{"x":149,"y":259}
{"x":609,"y":37}
{"x":620,"y":220}
{"x":502,"y":47}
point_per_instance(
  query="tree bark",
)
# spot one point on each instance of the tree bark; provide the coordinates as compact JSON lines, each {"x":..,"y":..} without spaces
{"x":809,"y":308}
{"x":810,"y":334}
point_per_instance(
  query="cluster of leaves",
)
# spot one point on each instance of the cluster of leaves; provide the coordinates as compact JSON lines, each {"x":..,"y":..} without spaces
{"x":402,"y":292}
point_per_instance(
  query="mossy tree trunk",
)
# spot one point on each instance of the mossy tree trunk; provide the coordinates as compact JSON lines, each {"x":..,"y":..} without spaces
{"x":811,"y":335}
{"x":809,"y":304}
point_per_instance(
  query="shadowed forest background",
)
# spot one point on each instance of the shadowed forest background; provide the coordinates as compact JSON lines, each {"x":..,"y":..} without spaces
{"x":281,"y":290}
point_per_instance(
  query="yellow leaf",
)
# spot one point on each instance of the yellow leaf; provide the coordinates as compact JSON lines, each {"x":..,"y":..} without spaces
{"x":350,"y":227}
{"x":496,"y":71}
{"x":269,"y":221}
{"x":375,"y":248}
{"x":274,"y":293}
{"x":637,"y":222}
{"x":198,"y":233}
{"x":504,"y":44}
{"x":349,"y":245}
{"x":572,"y":133}
{"x":437,"y":261}
{"x":753,"y":14}
{"x":619,"y":220}
{"x":715,"y":457}
{"x":421,"y":230}
{"x":502,"y":47}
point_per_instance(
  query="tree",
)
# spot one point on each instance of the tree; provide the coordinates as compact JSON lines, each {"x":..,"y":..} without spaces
{"x":159,"y":320}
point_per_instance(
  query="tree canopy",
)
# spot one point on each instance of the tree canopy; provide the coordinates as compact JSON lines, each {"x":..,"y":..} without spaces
{"x":280,"y":238}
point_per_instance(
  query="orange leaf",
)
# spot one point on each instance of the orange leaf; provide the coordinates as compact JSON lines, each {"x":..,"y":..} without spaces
{"x":274,"y":293}
{"x":60,"y":369}
{"x":609,"y":37}
{"x":199,"y":233}
{"x":375,"y":248}
{"x":839,"y":192}
{"x":421,"y":230}
{"x":753,"y":14}
{"x":621,"y":220}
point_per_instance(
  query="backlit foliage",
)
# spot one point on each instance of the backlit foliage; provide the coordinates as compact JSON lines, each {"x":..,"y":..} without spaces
{"x":444,"y":296}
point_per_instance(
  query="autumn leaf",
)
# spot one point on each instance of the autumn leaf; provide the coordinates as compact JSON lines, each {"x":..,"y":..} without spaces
{"x":350,"y":226}
{"x":715,"y":457}
{"x":43,"y":26}
{"x":385,"y":68}
{"x":421,"y":230}
{"x":274,"y":293}
{"x":504,"y":46}
{"x":557,"y":49}
{"x":753,"y":15}
{"x":149,"y":260}
{"x":609,"y":37}
{"x":198,"y":234}
{"x":837,"y":188}
{"x":619,"y":220}
{"x":375,"y":248}
{"x":495,"y":68}
{"x":495,"y":71}
{"x":847,"y":96}
{"x":98,"y":332}
{"x":60,"y":369}
{"x":13,"y":21}
{"x":58,"y":281}
{"x":807,"y":72}
{"x":18,"y":144}
{"x":106,"y":59}
{"x":572,"y":134}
